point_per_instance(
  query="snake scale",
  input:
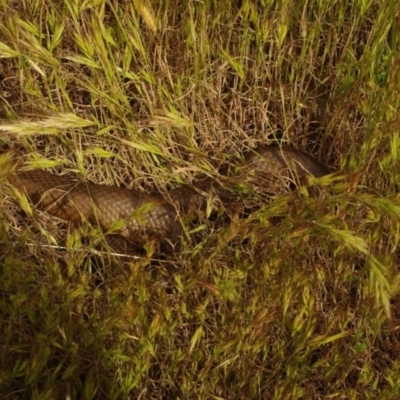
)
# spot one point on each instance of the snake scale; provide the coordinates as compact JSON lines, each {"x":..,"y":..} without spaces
{"x":148,"y":216}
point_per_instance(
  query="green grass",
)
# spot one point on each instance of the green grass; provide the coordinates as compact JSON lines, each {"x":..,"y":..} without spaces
{"x":149,"y":95}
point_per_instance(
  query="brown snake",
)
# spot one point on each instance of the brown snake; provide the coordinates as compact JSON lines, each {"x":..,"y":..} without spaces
{"x":151,"y":216}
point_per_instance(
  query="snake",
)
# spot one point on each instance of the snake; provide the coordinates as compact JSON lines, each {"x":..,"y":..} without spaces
{"x":130,"y":218}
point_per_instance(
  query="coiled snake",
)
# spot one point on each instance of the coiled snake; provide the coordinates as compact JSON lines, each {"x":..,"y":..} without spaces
{"x":152,"y":216}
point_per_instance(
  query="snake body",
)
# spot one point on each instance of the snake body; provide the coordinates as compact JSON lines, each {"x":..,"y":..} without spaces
{"x":146,"y":216}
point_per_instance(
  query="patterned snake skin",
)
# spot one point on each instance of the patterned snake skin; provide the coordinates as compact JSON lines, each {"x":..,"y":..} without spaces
{"x":147,"y":216}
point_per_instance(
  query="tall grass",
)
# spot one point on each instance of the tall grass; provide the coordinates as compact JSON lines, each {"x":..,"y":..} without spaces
{"x":298,"y":300}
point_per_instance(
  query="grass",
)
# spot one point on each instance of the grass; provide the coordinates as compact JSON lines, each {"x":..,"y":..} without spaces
{"x":149,"y":95}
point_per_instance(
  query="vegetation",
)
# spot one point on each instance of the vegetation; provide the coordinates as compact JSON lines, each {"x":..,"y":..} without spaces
{"x":300,"y":299}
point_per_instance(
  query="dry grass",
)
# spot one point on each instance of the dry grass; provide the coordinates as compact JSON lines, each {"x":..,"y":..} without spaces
{"x":151,"y":95}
